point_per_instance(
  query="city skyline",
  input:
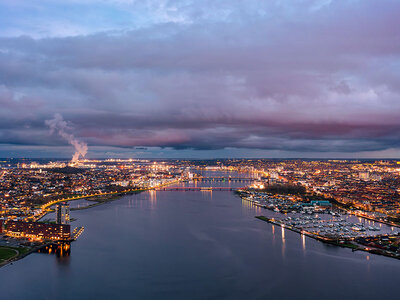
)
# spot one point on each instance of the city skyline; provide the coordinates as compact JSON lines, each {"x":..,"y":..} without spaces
{"x":201,"y":79}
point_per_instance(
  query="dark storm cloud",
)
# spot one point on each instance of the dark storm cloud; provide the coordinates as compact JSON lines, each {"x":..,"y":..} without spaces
{"x":317,"y":76}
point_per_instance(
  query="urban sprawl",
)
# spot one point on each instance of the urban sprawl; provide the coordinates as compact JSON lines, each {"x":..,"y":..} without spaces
{"x":344,"y":202}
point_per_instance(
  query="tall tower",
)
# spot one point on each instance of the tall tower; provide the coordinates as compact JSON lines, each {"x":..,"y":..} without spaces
{"x":62,"y":213}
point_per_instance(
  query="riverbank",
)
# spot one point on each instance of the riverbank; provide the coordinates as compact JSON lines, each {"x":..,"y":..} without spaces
{"x":7,"y":254}
{"x":102,"y":200}
{"x":11,"y":254}
{"x":19,"y":253}
{"x":99,"y":199}
{"x":336,"y":242}
{"x":106,"y":198}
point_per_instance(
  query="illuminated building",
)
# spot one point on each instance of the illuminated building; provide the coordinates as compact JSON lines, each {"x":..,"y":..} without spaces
{"x":37,"y":231}
{"x":62,"y":213}
{"x":258,"y":185}
{"x":363,"y":175}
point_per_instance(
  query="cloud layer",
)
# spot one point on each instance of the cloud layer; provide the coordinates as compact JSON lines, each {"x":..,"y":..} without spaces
{"x":310,"y":76}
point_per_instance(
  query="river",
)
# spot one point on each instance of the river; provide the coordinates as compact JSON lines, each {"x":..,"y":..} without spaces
{"x":195,"y":245}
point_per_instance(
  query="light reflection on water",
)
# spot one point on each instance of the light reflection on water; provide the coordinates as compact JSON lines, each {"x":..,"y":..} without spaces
{"x":61,"y":250}
{"x":283,"y":241}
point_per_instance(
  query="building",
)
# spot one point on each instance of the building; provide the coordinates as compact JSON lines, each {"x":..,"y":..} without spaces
{"x":363,"y":175}
{"x":317,"y":205}
{"x":37,"y":231}
{"x":62,"y":213}
{"x":321,"y":203}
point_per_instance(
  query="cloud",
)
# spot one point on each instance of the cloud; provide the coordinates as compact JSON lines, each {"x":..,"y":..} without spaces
{"x":212,"y":75}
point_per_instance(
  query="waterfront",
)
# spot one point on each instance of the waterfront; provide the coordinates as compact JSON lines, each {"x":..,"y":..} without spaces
{"x":77,"y":204}
{"x":180,"y":245}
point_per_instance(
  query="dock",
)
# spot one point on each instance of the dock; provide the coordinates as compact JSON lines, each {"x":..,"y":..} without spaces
{"x":332,"y":241}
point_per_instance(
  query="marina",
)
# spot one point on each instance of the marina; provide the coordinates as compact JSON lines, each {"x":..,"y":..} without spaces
{"x":327,"y":224}
{"x":319,"y":219}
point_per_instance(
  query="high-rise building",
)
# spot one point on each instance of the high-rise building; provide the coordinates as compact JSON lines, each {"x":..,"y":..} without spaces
{"x":62,"y":213}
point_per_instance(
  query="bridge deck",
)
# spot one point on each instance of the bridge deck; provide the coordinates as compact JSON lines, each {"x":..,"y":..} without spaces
{"x":195,"y":189}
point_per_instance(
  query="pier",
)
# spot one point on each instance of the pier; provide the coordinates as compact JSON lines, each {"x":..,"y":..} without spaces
{"x":76,"y":233}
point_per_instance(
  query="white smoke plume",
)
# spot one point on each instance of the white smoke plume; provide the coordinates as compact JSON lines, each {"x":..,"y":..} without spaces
{"x":59,"y":126}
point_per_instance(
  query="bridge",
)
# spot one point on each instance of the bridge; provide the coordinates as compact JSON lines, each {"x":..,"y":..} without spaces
{"x":222,"y":179}
{"x":193,"y":188}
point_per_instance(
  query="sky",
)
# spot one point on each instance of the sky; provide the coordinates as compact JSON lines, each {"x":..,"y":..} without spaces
{"x":201,"y":78}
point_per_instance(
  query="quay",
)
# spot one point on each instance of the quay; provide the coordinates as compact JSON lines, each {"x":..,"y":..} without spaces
{"x":76,"y":233}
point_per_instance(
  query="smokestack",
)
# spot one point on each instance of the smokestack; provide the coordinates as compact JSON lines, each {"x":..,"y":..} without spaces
{"x":59,"y":126}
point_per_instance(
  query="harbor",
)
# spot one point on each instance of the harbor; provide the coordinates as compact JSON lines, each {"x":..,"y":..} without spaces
{"x":322,"y":221}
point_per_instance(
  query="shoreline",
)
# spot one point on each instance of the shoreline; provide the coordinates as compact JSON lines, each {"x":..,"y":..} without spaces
{"x":46,"y":206}
{"x":113,"y":197}
{"x":22,"y":255}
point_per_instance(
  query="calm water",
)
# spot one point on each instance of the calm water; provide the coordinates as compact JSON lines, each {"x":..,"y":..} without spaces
{"x":195,"y":245}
